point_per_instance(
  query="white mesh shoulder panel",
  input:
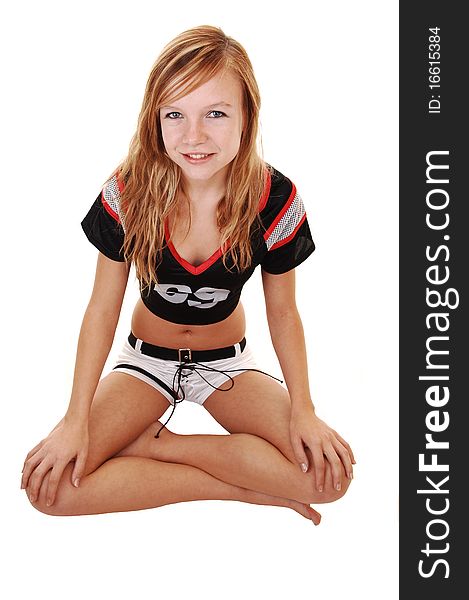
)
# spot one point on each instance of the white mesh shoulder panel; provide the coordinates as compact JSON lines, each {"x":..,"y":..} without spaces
{"x":112,"y":197}
{"x":288,"y":223}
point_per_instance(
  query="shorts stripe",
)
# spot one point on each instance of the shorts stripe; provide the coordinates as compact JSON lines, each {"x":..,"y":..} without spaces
{"x":149,"y":375}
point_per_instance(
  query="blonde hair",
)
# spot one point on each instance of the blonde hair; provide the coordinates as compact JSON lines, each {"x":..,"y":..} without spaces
{"x":153,"y":180}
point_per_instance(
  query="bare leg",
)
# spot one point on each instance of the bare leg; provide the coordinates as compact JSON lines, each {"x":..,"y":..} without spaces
{"x":137,"y":483}
{"x":240,"y":459}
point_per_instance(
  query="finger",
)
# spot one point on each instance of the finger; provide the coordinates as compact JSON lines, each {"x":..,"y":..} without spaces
{"x":344,"y":457}
{"x":335,"y":463}
{"x":299,"y":452}
{"x":79,"y":468}
{"x":30,"y":465}
{"x":54,"y":479}
{"x":35,"y":481}
{"x":319,"y":466}
{"x":32,"y":453}
{"x":347,"y":445}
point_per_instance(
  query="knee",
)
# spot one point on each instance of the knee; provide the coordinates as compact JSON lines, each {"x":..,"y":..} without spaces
{"x":62,"y":505}
{"x":330,"y":492}
{"x":334,"y":494}
{"x":40,"y":505}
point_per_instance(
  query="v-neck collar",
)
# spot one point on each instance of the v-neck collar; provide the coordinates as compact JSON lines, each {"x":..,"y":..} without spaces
{"x":197,"y":270}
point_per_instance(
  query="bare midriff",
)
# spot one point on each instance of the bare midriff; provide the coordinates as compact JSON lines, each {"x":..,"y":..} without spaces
{"x":154,"y":330}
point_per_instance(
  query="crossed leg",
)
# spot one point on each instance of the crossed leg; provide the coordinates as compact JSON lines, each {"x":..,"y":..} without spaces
{"x":122,"y":408}
{"x":258,"y":453}
{"x":260,"y":408}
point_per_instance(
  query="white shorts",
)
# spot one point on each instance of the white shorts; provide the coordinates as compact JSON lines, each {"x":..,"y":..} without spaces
{"x":194,"y":382}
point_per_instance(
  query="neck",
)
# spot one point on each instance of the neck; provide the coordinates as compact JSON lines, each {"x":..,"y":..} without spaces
{"x":205,"y":192}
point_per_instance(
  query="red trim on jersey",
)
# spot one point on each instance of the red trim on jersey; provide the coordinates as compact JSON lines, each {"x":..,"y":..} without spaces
{"x":120,"y":184}
{"x":282,"y":212}
{"x":287,"y":239}
{"x":187,"y":265}
{"x":113,"y":214}
{"x":218,"y":253}
{"x":266,"y":193}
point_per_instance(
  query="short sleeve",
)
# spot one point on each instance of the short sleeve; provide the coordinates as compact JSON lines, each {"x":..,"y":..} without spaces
{"x":103,"y":224}
{"x":288,"y":239}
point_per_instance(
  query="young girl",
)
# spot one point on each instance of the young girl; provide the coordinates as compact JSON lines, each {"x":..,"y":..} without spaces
{"x":195,"y":209}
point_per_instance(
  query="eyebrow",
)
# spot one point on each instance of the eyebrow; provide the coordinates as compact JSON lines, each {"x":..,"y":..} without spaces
{"x":221,"y":103}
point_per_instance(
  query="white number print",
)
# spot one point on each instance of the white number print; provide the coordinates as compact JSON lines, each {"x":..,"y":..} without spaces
{"x":177,"y":293}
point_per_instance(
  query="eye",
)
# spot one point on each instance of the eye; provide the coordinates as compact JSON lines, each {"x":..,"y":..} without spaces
{"x":216,"y":114}
{"x":170,"y":115}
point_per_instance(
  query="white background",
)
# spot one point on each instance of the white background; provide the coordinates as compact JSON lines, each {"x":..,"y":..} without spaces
{"x":74,"y":75}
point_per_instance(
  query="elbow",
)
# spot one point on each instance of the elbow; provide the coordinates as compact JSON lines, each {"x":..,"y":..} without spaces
{"x":282,"y":311}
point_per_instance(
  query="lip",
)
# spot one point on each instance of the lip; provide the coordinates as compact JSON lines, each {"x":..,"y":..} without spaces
{"x":197,"y":161}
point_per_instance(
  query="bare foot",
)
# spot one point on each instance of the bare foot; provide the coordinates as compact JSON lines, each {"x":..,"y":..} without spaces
{"x":303,"y":509}
{"x":312,"y":514}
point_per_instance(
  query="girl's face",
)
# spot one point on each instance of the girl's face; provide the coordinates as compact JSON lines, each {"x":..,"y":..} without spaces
{"x":202,"y":131}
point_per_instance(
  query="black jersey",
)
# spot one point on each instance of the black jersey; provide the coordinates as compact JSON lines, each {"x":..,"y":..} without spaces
{"x":209,"y":292}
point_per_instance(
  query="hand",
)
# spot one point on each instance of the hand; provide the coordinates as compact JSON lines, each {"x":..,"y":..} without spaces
{"x":66,"y":442}
{"x":306,"y":428}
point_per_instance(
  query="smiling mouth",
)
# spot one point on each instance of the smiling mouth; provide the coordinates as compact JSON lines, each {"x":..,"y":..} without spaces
{"x":197,"y":156}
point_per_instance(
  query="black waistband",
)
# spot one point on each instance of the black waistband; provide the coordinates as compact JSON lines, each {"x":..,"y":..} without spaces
{"x":186,"y":354}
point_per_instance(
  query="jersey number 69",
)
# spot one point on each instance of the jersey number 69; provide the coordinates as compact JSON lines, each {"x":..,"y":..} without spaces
{"x":178,"y":293}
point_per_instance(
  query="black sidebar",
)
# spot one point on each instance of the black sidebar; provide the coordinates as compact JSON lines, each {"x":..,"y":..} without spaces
{"x":434,"y":261}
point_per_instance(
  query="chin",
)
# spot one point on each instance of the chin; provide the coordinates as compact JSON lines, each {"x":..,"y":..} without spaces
{"x":198,"y":173}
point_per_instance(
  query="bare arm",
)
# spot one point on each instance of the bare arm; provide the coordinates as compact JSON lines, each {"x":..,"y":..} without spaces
{"x":306,"y":429}
{"x":69,"y":439}
{"x":286,"y":331}
{"x":97,"y":334}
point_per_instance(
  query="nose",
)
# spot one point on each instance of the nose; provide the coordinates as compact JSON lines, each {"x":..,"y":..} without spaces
{"x":194,"y":133}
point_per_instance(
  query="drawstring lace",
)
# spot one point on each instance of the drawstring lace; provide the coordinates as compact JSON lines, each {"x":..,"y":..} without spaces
{"x":197,"y":367}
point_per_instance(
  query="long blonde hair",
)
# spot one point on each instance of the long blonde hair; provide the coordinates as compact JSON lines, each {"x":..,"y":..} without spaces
{"x":153,"y":180}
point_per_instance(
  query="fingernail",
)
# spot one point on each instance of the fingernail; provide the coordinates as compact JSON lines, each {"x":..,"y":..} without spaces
{"x":49,"y":502}
{"x":337,"y":487}
{"x":320,"y":488}
{"x":304,"y":467}
{"x":76,"y":483}
{"x":350,"y":475}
